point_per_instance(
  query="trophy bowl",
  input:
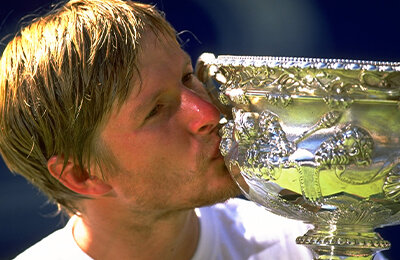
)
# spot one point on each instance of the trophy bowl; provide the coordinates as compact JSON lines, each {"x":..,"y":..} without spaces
{"x":316,"y":140}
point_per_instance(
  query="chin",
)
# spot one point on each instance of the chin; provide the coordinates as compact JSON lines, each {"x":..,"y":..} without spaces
{"x":218,"y":187}
{"x":228,"y":191}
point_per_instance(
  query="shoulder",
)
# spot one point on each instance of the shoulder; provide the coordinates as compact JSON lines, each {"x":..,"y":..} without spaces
{"x":59,"y":245}
{"x":45,"y":248}
{"x":249,"y":231}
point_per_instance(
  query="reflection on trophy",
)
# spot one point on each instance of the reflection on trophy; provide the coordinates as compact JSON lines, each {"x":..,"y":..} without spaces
{"x":317,"y":140}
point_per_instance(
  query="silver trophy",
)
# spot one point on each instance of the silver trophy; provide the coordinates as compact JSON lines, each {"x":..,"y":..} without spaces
{"x":317,"y":140}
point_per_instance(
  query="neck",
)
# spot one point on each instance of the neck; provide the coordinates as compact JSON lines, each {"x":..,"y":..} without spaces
{"x":172,"y":235}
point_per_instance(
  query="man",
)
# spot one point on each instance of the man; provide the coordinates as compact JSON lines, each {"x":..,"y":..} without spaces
{"x":100,"y":109}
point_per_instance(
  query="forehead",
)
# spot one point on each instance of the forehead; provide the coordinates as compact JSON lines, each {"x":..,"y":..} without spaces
{"x":154,"y":52}
{"x":159,"y":48}
{"x":160,"y":63}
{"x":160,"y":59}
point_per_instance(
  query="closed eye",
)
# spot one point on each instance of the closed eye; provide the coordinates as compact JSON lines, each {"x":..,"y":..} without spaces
{"x":157,"y":108}
{"x":187,"y":77}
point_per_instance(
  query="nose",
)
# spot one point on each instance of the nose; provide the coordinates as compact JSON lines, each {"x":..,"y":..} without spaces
{"x":200,"y":116}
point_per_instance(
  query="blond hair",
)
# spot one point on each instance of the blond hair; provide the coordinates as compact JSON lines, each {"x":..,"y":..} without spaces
{"x":60,"y":77}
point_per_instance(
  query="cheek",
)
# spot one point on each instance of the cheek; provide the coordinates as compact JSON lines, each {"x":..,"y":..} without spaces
{"x":151,"y":151}
{"x":169,"y":139}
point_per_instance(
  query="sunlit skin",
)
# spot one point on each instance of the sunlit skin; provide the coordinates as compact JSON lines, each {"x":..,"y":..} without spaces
{"x":165,"y":137}
{"x":165,"y":141}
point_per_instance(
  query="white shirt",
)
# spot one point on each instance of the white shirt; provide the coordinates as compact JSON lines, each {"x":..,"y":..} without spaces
{"x":234,"y":230}
{"x":240,"y":229}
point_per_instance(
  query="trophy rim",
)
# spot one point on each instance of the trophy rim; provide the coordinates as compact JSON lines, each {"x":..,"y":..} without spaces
{"x":303,"y":78}
{"x":300,"y":62}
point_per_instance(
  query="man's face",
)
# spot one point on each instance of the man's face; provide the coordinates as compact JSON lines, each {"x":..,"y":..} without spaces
{"x":165,"y":136}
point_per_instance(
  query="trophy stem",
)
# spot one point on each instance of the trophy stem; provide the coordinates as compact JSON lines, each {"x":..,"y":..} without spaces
{"x":348,"y":242}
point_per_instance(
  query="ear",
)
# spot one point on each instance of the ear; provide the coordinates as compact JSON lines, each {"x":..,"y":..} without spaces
{"x":75,"y":178}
